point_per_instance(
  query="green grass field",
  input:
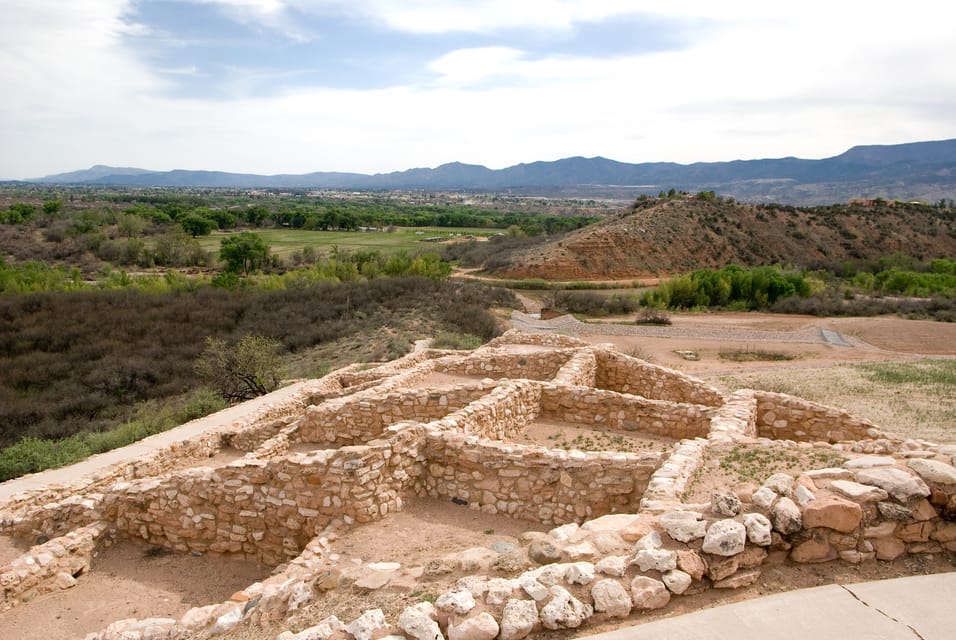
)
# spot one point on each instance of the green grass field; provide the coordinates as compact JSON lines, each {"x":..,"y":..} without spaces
{"x":284,"y":242}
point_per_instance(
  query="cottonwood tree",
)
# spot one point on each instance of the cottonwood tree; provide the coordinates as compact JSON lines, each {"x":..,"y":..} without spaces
{"x":241,"y":371}
{"x":244,"y":252}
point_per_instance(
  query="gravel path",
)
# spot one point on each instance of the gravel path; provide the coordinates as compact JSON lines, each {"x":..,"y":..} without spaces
{"x":570,"y":325}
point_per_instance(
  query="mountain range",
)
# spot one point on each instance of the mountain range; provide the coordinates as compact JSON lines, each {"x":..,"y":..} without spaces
{"x":923,"y":171}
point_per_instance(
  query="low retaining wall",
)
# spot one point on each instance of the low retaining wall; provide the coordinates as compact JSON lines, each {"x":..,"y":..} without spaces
{"x":594,"y":407}
{"x":783,"y":417}
{"x":499,"y":414}
{"x":365,"y":416}
{"x":623,"y":374}
{"x":533,"y":483}
{"x":49,"y":567}
{"x":543,"y":365}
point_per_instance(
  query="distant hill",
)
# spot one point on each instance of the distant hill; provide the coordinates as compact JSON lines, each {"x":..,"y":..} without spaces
{"x":915,"y":171}
{"x":683,"y":234}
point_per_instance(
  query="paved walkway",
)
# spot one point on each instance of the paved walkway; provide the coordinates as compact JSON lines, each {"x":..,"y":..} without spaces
{"x":916,"y":608}
{"x":189,"y":430}
{"x":571,"y":325}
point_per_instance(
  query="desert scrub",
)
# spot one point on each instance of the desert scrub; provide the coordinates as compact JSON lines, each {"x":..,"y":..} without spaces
{"x":458,"y":341}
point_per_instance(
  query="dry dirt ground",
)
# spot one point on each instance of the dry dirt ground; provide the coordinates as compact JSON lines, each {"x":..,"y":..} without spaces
{"x":130,"y":581}
{"x":127,"y":581}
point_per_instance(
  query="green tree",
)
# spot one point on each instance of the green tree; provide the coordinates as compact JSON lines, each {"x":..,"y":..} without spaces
{"x":241,"y":371}
{"x":197,"y":225}
{"x":244,"y":252}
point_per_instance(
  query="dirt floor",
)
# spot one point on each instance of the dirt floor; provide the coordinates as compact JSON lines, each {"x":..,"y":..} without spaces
{"x":447,"y":380}
{"x":11,"y":549}
{"x":127,"y":581}
{"x":556,"y":434}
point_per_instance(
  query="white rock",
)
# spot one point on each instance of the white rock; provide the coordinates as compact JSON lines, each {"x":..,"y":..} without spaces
{"x":780,"y":483}
{"x":933,"y":471}
{"x":459,"y":602}
{"x":725,"y":538}
{"x":480,"y":627}
{"x":477,"y":586}
{"x":580,"y":573}
{"x":550,"y":574}
{"x":416,"y":624}
{"x":227,"y":621}
{"x":758,"y":529}
{"x":367,"y":625}
{"x":612,"y":566}
{"x":676,"y":581}
{"x":655,"y":560}
{"x":648,"y":593}
{"x":518,"y":619}
{"x":530,"y":585}
{"x":500,"y":590}
{"x":859,"y":492}
{"x":322,"y":631}
{"x":804,"y":496}
{"x":764,"y":497}
{"x":868,"y":462}
{"x":584,"y":549}
{"x":683,"y":526}
{"x":611,"y":597}
{"x":565,"y":532}
{"x":650,"y":541}
{"x":564,"y":611}
{"x":786,"y":517}
{"x":896,"y":482}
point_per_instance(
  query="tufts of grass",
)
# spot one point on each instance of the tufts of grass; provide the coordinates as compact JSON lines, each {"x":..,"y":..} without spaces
{"x":453,"y":340}
{"x":755,"y":355}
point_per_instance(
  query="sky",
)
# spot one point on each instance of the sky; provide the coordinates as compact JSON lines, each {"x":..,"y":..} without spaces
{"x":294,"y":86}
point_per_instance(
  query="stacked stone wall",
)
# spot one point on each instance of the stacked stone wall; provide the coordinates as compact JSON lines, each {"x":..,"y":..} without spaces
{"x":266,"y":510}
{"x":580,"y":370}
{"x":624,"y":374}
{"x":784,"y":417}
{"x":49,"y":567}
{"x":736,"y":420}
{"x":498,"y":415}
{"x":365,"y":416}
{"x":595,"y":407}
{"x":533,"y":483}
{"x":513,"y":336}
{"x":542,"y":365}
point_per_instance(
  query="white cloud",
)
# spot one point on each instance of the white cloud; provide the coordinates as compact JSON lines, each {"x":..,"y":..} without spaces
{"x":757,"y":81}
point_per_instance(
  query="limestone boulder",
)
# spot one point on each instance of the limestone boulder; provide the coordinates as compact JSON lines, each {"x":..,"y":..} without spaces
{"x":518,"y":619}
{"x":933,"y":471}
{"x":477,"y":627}
{"x":786,"y":517}
{"x":612,"y":566}
{"x":691,"y":563}
{"x":655,"y":560}
{"x":459,"y":602}
{"x":610,"y":597}
{"x":900,"y":485}
{"x":758,"y":528}
{"x":367,"y":625}
{"x":564,"y":611}
{"x":858,"y":492}
{"x":683,"y":526}
{"x":739,"y":580}
{"x":676,"y":581}
{"x":725,"y":538}
{"x":781,"y":484}
{"x":648,"y":593}
{"x":580,"y":573}
{"x":418,"y":625}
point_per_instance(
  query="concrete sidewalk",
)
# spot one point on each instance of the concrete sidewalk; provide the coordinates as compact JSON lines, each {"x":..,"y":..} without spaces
{"x":100,"y":461}
{"x":915,"y":608}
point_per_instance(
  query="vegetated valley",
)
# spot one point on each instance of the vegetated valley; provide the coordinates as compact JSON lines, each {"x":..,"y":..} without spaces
{"x":109,"y":298}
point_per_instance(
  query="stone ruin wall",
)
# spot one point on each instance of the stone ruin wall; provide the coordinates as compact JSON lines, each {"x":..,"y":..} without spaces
{"x":595,"y":407}
{"x":624,"y":374}
{"x":280,"y":509}
{"x":783,"y":417}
